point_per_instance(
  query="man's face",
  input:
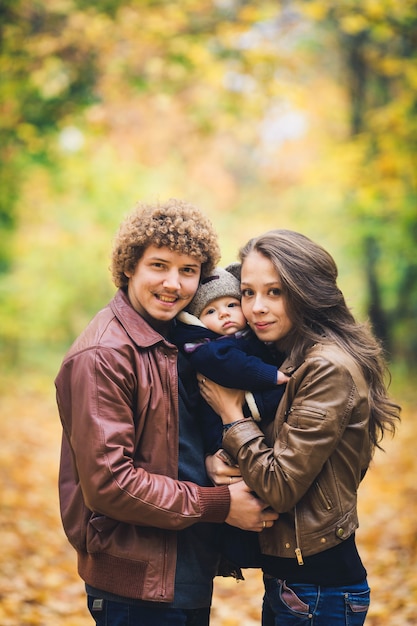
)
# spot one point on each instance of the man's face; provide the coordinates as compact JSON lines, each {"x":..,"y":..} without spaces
{"x":163,"y":283}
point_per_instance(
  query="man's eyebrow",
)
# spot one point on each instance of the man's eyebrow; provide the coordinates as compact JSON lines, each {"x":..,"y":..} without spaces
{"x":163,"y":260}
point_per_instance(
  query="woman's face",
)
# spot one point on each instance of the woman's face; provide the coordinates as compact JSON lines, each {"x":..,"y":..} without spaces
{"x":263,"y":303}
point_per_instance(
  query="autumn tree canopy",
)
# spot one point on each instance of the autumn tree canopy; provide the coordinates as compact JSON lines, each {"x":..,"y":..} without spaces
{"x":296,"y":114}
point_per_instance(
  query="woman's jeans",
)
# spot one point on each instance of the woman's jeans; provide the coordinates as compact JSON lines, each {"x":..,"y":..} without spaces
{"x":311,"y":605}
{"x":110,"y":613}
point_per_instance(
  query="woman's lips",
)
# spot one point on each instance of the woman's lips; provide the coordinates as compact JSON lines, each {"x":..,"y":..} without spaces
{"x":262,"y":325}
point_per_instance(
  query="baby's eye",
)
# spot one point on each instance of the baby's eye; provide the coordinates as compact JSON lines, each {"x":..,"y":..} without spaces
{"x":210,"y":311}
{"x":231,"y":305}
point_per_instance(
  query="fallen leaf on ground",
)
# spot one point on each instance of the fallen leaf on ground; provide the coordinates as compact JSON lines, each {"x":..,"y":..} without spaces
{"x":39,"y":585}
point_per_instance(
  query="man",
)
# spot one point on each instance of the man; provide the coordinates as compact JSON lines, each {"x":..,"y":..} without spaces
{"x":136,"y":502}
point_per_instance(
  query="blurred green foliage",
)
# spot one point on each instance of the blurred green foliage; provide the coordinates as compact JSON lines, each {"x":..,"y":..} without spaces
{"x":299,"y":115}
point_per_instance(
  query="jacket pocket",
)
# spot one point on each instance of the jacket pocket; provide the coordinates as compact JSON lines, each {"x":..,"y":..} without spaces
{"x":99,"y":531}
{"x":323,"y":497}
{"x":303,"y":416}
{"x":127,"y":541}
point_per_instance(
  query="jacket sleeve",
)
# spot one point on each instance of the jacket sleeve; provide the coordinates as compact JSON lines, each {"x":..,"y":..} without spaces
{"x":282,"y":470}
{"x":225,"y":362}
{"x":102,"y":434}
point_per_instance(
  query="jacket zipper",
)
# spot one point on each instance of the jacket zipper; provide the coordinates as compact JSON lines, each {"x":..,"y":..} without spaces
{"x":297,"y":550}
{"x":167,"y":399}
{"x":298,"y":553}
{"x":324,"y":499}
{"x":164,"y":571}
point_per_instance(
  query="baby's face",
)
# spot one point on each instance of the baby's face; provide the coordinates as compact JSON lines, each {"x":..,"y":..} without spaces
{"x":223,"y":316}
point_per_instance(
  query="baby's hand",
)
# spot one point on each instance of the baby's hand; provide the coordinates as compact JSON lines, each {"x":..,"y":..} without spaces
{"x":282,"y":378}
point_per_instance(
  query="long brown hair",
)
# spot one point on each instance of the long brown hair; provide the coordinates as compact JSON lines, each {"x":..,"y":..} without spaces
{"x":318,"y":310}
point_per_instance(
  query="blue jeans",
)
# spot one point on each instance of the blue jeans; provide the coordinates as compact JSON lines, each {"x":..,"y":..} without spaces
{"x":110,"y":613}
{"x":307,"y":605}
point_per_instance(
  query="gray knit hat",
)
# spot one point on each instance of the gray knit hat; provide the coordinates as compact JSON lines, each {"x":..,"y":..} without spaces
{"x":221,"y":283}
{"x":235,"y":269}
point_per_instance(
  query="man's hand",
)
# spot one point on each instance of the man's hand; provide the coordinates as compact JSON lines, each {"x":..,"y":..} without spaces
{"x":247,"y":511}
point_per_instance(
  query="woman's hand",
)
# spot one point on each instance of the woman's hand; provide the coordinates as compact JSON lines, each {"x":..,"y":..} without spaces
{"x":220,"y":470}
{"x":225,"y":402}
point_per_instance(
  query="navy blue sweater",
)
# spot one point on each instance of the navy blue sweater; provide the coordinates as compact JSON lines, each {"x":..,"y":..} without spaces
{"x":238,"y":361}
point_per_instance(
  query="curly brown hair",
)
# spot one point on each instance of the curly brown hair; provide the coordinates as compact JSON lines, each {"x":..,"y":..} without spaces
{"x":174,"y":224}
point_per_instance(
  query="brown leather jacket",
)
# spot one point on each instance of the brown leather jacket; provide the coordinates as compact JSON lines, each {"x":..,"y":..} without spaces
{"x":117,"y":393}
{"x":308,"y":465}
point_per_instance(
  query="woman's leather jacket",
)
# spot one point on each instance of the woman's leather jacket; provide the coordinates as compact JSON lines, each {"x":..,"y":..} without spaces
{"x":309,"y":464}
{"x":117,"y":393}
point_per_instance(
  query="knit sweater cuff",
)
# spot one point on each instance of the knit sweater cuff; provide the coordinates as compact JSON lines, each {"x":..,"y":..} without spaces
{"x":215,"y":503}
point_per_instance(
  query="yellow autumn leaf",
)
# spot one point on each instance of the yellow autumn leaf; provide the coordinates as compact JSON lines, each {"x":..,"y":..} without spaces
{"x":38,"y":578}
{"x":353,"y":23}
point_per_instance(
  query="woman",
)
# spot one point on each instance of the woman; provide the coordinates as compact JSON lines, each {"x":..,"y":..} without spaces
{"x":308,"y":464}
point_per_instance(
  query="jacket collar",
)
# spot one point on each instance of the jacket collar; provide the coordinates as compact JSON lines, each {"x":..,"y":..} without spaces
{"x":136,"y":327}
{"x":288,"y":366}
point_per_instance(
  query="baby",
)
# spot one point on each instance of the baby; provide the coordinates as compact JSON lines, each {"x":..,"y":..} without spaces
{"x":214,"y":336}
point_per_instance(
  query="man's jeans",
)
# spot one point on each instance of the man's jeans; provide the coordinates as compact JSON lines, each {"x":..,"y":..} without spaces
{"x":110,"y":613}
{"x":304,"y":605}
